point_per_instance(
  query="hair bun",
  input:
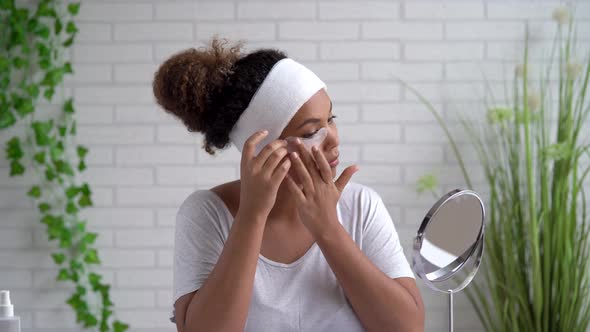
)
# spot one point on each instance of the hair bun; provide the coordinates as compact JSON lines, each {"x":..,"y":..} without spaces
{"x":186,"y":82}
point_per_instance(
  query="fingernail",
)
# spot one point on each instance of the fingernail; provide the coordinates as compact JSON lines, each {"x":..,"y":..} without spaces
{"x":314,"y":148}
{"x":294,"y":154}
{"x":297,"y":141}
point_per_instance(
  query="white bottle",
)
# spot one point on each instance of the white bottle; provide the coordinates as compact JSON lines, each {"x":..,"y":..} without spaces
{"x":8,"y":321}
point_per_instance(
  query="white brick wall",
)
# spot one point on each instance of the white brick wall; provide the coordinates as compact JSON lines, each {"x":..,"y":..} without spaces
{"x":143,"y":163}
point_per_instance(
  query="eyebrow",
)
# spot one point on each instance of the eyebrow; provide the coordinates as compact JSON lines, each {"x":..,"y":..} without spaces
{"x":313,"y":120}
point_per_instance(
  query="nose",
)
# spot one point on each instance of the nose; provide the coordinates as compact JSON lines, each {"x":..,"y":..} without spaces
{"x":331,"y":142}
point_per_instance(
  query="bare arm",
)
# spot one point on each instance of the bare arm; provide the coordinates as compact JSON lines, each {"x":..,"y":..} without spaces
{"x":222,"y":302}
{"x":381,"y":303}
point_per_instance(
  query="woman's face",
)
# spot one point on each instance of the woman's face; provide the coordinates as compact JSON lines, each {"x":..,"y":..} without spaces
{"x":314,"y":115}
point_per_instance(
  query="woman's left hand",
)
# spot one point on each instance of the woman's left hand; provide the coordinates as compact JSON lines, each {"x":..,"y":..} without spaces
{"x":316,"y":200}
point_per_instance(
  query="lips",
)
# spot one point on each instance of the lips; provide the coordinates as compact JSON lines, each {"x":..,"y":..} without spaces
{"x":334,"y":162}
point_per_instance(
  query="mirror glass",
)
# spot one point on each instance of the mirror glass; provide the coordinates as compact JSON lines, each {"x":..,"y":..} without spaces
{"x":449,"y":243}
{"x":450,"y":235}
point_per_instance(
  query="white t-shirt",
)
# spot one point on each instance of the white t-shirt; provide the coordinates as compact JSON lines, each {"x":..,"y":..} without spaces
{"x":303,"y":295}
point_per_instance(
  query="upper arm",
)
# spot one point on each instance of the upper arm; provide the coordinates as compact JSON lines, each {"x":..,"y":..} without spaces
{"x":381,"y":243}
{"x":197,"y":246}
{"x":180,"y":309}
{"x":409,"y":284}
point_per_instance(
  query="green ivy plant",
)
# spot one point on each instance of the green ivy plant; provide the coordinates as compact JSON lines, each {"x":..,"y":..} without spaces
{"x":31,"y":62}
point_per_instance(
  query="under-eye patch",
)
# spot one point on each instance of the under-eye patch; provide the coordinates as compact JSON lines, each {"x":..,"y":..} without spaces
{"x":309,"y":142}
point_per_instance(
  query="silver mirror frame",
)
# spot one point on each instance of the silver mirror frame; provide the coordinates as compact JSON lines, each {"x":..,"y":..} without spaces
{"x":474,"y":253}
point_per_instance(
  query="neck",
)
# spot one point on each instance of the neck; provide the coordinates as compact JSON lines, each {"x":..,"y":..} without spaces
{"x":285,"y":208}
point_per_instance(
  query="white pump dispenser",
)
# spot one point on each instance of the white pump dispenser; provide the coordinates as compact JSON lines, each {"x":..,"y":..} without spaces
{"x":8,"y":321}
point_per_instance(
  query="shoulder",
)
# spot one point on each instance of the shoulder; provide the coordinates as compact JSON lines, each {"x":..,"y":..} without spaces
{"x":201,"y":206}
{"x":206,"y":199}
{"x":355,"y":192}
{"x":359,"y":199}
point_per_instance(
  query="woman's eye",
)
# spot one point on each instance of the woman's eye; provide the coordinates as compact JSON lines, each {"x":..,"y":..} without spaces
{"x":311,"y":134}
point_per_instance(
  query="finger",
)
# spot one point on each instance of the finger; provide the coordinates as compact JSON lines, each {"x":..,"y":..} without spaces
{"x":276,"y":158}
{"x":294,"y":189}
{"x":250,"y":145}
{"x":323,"y":165}
{"x":302,"y":173}
{"x":307,"y":160}
{"x":281,"y":171}
{"x":345,"y":177}
{"x":268,"y":151}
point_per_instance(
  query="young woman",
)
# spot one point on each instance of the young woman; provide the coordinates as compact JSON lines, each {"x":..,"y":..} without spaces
{"x":285,"y":247}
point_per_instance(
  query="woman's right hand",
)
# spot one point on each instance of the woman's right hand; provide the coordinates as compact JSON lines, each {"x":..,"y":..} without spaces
{"x":261,"y":175}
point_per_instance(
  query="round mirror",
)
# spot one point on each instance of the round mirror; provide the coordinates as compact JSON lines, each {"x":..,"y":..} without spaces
{"x":449,"y":244}
{"x":450,"y":237}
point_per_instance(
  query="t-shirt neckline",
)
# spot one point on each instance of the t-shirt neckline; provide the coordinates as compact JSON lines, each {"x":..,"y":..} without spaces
{"x":270,"y":261}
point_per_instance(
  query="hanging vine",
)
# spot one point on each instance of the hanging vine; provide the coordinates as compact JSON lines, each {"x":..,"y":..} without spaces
{"x":32,"y":62}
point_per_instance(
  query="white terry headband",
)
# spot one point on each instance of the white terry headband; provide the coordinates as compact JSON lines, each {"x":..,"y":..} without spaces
{"x":285,"y":89}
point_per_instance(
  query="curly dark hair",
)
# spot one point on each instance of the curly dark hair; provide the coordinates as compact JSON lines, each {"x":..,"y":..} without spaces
{"x":209,"y":88}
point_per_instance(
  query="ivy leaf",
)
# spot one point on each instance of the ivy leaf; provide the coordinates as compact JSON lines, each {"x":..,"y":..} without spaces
{"x":91,"y":257}
{"x":71,"y":28}
{"x":42,"y":31}
{"x":45,"y":63}
{"x":49,"y":220}
{"x":40,"y":157}
{"x":68,"y":42}
{"x":7,"y":119}
{"x":35,"y":192}
{"x":63,"y":274}
{"x":44,"y":206}
{"x":6,"y":4}
{"x":82,"y":151}
{"x":19,"y":62}
{"x":104,"y":327}
{"x":44,"y":10}
{"x":73,"y":8}
{"x":32,"y":24}
{"x":13,"y":149}
{"x":58,"y":258}
{"x":42,"y":130}
{"x":4,"y":82}
{"x":81,"y":226}
{"x":65,"y":239}
{"x":56,"y":151}
{"x":62,"y":131}
{"x":68,"y":106}
{"x":85,"y":201}
{"x":43,"y":50}
{"x":89,"y":238}
{"x":50,"y":174}
{"x":16,"y":168}
{"x":33,"y":90}
{"x":106,"y":313}
{"x":49,"y":92}
{"x":25,"y":107}
{"x":86,"y":189}
{"x":71,"y":208}
{"x":58,"y":26}
{"x":67,"y":68}
{"x":94,"y":280}
{"x":63,"y":167}
{"x":72,"y":192}
{"x":90,"y":320}
{"x":81,"y":166}
{"x":119,"y":326}
{"x":77,"y":266}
